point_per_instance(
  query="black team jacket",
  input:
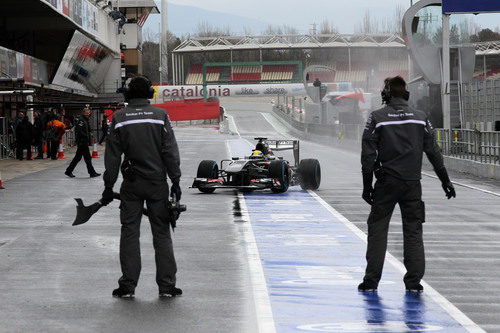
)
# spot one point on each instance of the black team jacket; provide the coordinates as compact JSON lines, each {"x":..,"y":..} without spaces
{"x":142,"y":133}
{"x":395,"y":138}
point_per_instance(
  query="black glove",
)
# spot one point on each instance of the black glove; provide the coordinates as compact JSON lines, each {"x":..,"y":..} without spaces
{"x":107,"y":196}
{"x":446,"y":183}
{"x":367,"y":188}
{"x":175,"y":191}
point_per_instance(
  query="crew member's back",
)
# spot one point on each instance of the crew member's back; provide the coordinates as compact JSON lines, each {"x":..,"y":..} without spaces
{"x":144,"y":135}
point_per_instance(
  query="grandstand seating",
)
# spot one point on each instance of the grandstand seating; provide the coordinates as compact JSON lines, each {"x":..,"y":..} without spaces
{"x":323,"y":76}
{"x":277,"y":73}
{"x":195,"y":75}
{"x":357,"y":73}
{"x":245,"y":73}
{"x":237,"y":74}
{"x":491,"y":74}
{"x":393,"y":68}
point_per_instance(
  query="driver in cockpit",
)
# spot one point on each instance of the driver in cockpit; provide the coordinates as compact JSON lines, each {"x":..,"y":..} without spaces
{"x":264,"y":148}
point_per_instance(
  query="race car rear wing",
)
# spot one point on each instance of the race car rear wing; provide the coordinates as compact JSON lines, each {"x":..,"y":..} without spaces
{"x":280,"y":145}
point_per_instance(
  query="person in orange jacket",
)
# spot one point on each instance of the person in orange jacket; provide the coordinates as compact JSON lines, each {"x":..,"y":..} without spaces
{"x":53,"y":134}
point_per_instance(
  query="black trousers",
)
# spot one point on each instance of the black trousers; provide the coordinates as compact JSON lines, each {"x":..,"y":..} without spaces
{"x":82,"y":151}
{"x":20,"y":147}
{"x":52,"y":148}
{"x":388,"y":193}
{"x":39,"y":147}
{"x":133,"y":195}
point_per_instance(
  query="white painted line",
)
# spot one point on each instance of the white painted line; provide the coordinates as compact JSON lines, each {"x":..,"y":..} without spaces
{"x":465,"y":185}
{"x":452,"y":310}
{"x":232,"y":124}
{"x":265,"y":320}
{"x":263,"y":310}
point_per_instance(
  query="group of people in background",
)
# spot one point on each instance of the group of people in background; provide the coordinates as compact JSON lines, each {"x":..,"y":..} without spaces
{"x":49,"y":130}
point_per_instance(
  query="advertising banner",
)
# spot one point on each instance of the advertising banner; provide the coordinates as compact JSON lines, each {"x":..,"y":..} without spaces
{"x":65,"y":7}
{"x":12,"y":64}
{"x":469,"y":6}
{"x":90,"y":18}
{"x":84,"y":15}
{"x":4,"y":63}
{"x":169,"y":92}
{"x":76,"y":13}
{"x":35,"y":70}
{"x":95,"y":19}
{"x":20,"y":65}
{"x":27,"y":68}
{"x":84,"y":65}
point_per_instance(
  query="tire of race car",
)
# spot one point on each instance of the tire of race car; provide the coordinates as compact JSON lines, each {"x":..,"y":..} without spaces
{"x":310,"y":174}
{"x":279,"y":169}
{"x":207,"y":169}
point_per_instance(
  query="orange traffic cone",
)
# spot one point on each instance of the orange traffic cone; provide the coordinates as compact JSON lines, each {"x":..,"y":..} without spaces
{"x":60,"y":154}
{"x":1,"y":186}
{"x":95,"y":154}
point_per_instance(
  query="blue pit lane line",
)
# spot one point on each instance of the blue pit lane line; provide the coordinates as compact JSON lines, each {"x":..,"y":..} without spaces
{"x":312,"y":261}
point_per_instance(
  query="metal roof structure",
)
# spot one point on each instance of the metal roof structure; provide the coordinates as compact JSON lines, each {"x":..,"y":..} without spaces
{"x":270,"y":42}
{"x":138,"y":4}
{"x":487,"y":48}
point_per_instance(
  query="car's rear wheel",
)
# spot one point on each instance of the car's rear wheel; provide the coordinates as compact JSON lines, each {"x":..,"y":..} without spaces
{"x":310,"y":174}
{"x":278,"y":169}
{"x":207,"y":169}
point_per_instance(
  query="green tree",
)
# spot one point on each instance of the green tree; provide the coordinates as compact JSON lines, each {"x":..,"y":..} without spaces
{"x":485,"y":35}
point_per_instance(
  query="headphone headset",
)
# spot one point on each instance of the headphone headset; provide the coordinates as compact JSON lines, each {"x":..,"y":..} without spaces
{"x":151,"y":90}
{"x":386,"y":92}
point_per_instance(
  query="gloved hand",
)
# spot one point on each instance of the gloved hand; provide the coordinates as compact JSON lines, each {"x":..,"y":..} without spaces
{"x":107,"y":196}
{"x":175,"y":191}
{"x":446,"y":183}
{"x":449,"y":190}
{"x":367,"y":188}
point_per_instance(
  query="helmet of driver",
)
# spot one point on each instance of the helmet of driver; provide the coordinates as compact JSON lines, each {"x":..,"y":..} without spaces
{"x":257,"y":153}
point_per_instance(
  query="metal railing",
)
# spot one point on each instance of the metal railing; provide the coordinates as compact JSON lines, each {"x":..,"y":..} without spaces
{"x":6,"y":139}
{"x":470,"y":144}
{"x":7,"y":143}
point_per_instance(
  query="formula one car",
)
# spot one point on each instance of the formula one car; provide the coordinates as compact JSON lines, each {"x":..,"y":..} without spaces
{"x":261,"y":170}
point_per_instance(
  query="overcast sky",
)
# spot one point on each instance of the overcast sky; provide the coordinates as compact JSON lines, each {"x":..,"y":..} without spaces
{"x":345,"y":14}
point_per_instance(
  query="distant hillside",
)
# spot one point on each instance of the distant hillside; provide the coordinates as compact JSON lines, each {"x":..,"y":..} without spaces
{"x":184,"y":20}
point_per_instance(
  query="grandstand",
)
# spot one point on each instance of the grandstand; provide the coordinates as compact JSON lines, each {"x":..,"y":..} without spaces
{"x":487,"y":61}
{"x":364,"y":60}
{"x":195,"y":75}
{"x":244,"y":74}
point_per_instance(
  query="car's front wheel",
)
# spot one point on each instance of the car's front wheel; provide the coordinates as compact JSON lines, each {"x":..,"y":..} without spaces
{"x":278,"y":169}
{"x":207,"y":169}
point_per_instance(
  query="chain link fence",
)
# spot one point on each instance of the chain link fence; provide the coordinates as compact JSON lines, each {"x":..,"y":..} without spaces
{"x":481,"y":105}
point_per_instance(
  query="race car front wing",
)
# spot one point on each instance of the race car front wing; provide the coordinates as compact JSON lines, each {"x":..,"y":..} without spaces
{"x":255,"y":184}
